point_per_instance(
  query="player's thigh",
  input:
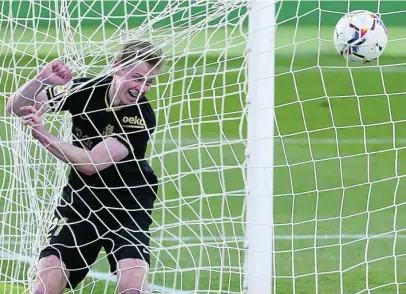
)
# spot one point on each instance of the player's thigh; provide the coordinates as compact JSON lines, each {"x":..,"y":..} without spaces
{"x":129,"y":257}
{"x":75,"y":242}
{"x":126,"y":244}
{"x":52,"y":275}
{"x":132,"y":275}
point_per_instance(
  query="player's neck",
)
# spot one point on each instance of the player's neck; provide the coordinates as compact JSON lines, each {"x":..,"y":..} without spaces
{"x":114,"y":100}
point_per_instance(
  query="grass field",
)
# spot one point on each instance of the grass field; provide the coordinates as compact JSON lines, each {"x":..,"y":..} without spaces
{"x":339,"y":186}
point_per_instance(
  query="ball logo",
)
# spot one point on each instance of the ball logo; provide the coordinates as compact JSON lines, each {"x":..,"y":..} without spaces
{"x":134,"y":122}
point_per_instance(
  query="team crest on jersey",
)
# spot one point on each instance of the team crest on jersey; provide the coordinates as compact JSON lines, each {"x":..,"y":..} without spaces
{"x":58,"y":90}
{"x":108,"y":130}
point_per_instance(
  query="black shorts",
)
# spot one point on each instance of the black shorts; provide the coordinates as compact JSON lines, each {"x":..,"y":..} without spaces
{"x":78,"y":236}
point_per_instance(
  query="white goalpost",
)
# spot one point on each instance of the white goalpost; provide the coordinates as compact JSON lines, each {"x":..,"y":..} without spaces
{"x":197,"y":149}
{"x":280,"y":165}
{"x":259,"y":153}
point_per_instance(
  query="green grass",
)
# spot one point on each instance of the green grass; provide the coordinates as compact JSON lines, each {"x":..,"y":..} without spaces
{"x":10,"y":288}
{"x":339,"y":172}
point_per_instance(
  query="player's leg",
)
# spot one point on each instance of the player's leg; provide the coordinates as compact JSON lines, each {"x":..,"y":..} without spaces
{"x":52,"y":273}
{"x":127,"y":244}
{"x":129,"y":257}
{"x":132,"y":276}
{"x":73,"y":244}
{"x":52,"y":276}
{"x":128,"y":254}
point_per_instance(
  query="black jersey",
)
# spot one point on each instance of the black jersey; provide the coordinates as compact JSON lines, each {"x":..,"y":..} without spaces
{"x":93,"y":119}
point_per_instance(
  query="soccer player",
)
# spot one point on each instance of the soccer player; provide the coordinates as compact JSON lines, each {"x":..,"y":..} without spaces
{"x":111,"y":188}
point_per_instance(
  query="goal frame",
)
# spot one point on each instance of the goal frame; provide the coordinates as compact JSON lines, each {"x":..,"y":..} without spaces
{"x":257,"y":116}
{"x":259,"y":153}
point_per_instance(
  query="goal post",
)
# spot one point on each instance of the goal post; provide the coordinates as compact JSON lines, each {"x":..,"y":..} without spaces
{"x":197,"y":152}
{"x":280,"y":165}
{"x":260,"y":144}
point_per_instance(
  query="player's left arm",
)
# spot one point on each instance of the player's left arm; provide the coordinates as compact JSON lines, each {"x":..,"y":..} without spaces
{"x":89,"y":162}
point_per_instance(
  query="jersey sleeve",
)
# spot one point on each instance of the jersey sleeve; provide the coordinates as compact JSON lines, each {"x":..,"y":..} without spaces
{"x":125,"y":139}
{"x":135,"y":140}
{"x":60,"y":99}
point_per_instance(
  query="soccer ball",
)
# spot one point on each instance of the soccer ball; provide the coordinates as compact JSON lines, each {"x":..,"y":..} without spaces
{"x":360,"y":36}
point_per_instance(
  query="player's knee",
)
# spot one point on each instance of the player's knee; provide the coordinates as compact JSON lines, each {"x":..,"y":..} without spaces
{"x":51,"y":276}
{"x":50,"y":262}
{"x":42,"y":291}
{"x":46,"y":286}
{"x":131,"y":291}
{"x":133,"y":276}
{"x":134,"y":287}
{"x":45,"y":291}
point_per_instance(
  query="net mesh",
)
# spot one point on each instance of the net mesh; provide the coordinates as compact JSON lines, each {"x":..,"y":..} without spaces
{"x":196,"y":150}
{"x":339,"y":143}
{"x":338,"y":197}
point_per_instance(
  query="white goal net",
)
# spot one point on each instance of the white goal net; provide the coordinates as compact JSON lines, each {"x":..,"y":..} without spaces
{"x":338,"y":171}
{"x":196,"y":150}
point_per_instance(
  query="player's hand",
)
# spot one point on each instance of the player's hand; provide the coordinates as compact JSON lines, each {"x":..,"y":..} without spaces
{"x":33,"y":119}
{"x":55,"y":73}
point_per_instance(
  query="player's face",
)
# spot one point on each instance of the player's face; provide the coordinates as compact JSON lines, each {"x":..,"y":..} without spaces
{"x":134,"y":82}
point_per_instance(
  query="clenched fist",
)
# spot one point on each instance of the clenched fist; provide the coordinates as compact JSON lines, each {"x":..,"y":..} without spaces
{"x":55,"y":73}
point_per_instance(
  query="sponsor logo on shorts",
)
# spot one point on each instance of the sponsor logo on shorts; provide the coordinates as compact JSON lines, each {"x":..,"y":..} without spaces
{"x":145,"y":251}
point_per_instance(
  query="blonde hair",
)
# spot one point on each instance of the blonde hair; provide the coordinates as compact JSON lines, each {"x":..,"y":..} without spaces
{"x":142,"y":51}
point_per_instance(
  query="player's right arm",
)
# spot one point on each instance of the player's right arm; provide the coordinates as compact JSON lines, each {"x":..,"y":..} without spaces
{"x":33,"y":92}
